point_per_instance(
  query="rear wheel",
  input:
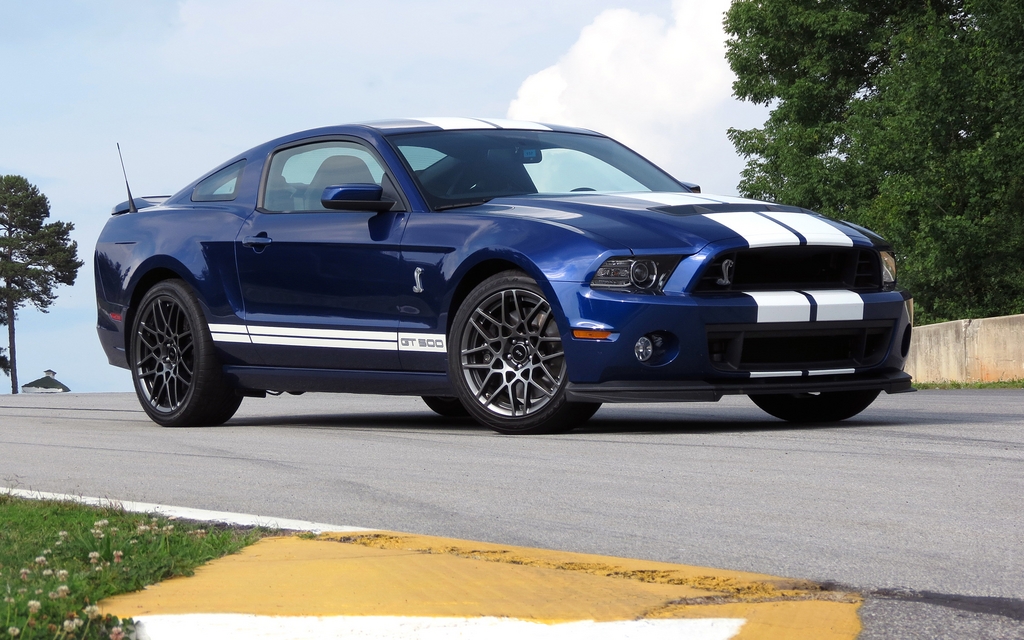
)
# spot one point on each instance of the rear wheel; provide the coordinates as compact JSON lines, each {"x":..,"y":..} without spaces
{"x":831,"y":406}
{"x":175,"y":368}
{"x":506,"y":361}
{"x":447,"y":407}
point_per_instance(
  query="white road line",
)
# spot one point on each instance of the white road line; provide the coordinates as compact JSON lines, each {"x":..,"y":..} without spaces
{"x":248,"y":626}
{"x":205,"y":515}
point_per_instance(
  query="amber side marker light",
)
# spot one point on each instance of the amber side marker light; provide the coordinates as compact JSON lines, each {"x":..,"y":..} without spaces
{"x":588,"y":334}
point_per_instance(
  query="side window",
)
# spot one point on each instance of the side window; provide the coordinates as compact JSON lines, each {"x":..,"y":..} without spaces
{"x":299,"y":175}
{"x":221,"y":186}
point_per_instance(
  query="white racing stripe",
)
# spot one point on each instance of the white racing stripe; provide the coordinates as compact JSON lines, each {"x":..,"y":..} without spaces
{"x":329,"y":343}
{"x":329,"y":338}
{"x":793,"y":306}
{"x":251,"y":627}
{"x":337,"y":334}
{"x":517,"y":124}
{"x":781,"y":306}
{"x":776,"y":374}
{"x":449,"y":124}
{"x":757,"y":230}
{"x":838,"y":305}
{"x":667,"y":198}
{"x":815,"y":230}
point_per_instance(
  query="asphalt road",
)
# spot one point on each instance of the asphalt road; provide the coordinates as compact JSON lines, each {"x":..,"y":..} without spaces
{"x":918,"y":502}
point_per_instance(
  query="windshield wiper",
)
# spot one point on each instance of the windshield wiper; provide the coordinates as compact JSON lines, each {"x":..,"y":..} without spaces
{"x":474,"y":203}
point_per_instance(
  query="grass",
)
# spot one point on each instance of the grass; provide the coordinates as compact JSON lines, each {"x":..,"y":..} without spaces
{"x":1002,"y":384}
{"x":58,"y":559}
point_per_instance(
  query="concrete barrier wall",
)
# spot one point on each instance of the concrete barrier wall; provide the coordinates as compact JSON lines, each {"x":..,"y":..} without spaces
{"x":983,"y":350}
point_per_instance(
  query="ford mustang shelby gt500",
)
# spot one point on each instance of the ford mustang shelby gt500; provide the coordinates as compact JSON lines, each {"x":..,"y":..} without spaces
{"x":515,"y":272}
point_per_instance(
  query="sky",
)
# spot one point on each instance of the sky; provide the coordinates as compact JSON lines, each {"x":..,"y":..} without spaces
{"x":184,"y":85}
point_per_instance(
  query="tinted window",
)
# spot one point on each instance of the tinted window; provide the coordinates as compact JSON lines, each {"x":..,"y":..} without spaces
{"x":458,"y":167}
{"x":299,"y":175}
{"x":222,"y":185}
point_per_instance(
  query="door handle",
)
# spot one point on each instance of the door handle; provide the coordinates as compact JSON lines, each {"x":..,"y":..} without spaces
{"x":259,"y":241}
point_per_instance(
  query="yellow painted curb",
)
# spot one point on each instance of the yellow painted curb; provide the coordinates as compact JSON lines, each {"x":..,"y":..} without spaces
{"x":393,"y":574}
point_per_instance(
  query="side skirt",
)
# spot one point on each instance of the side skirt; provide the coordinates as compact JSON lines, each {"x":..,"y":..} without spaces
{"x":394,"y":383}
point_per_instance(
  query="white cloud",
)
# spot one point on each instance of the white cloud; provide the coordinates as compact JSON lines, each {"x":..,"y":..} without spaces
{"x":662,"y":87}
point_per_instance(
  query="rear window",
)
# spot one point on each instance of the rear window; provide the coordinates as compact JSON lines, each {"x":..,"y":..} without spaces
{"x":221,"y":186}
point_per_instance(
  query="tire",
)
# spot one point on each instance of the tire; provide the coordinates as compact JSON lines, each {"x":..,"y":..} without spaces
{"x":506,"y":362}
{"x":447,"y":407}
{"x":175,"y":369}
{"x":831,"y":406}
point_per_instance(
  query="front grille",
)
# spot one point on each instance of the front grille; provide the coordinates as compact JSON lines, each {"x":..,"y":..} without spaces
{"x":798,"y":345}
{"x":788,"y":268}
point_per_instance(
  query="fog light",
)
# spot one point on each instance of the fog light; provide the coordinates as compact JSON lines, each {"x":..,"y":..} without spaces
{"x":643,"y":349}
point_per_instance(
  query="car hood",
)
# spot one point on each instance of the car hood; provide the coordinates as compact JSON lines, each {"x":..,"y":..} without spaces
{"x":680,"y":222}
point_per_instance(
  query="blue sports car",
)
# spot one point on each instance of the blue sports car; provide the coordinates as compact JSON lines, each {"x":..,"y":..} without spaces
{"x":515,"y":272}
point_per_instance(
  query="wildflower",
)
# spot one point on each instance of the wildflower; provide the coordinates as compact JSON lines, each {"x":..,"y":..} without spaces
{"x":141,"y":528}
{"x":24,"y":574}
{"x":94,"y":557}
{"x":8,"y":599}
{"x":133,"y":541}
{"x":52,"y":628}
{"x":62,"y":574}
{"x":98,"y":568}
{"x":113,"y":529}
{"x":14,"y":632}
{"x":41,"y":560}
{"x":92,"y":611}
{"x":58,"y":543}
{"x":63,"y":591}
{"x":117,"y":633}
{"x":71,"y":625}
{"x":34,"y":605}
{"x":47,"y":552}
{"x":98,"y":534}
{"x":100,"y":524}
{"x":38,"y":591}
{"x":63,"y":535}
{"x":23,"y":590}
{"x":118,"y":556}
{"x":54,"y":595}
{"x":47,"y":572}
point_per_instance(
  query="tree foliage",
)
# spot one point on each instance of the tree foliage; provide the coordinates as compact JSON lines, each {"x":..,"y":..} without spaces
{"x":35,"y":257}
{"x":902,"y":117}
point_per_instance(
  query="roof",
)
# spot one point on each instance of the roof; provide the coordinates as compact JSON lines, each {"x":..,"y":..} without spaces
{"x":453,"y":123}
{"x":46,"y":382}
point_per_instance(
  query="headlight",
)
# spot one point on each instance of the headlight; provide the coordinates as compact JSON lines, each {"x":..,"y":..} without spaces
{"x":888,"y":270}
{"x":643,"y":274}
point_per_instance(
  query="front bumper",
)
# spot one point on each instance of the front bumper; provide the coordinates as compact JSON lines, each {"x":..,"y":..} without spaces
{"x":700,"y":391}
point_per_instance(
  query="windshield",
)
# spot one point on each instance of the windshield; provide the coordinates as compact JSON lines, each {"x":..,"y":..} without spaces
{"x":457,"y":168}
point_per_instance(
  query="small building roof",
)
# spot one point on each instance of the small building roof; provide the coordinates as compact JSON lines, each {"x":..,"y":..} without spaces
{"x":48,"y":382}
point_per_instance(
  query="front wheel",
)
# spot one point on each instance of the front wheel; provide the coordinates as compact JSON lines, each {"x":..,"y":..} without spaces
{"x":506,"y":361}
{"x":175,"y":368}
{"x":829,"y":406}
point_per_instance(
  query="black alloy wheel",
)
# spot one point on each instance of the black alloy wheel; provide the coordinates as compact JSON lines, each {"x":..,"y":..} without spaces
{"x":506,"y":361}
{"x":828,"y":406}
{"x":175,"y":369}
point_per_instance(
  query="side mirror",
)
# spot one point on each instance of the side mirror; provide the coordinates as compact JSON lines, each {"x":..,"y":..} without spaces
{"x":355,"y":197}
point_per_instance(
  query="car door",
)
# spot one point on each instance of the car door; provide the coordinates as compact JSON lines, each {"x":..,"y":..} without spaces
{"x":320,"y":286}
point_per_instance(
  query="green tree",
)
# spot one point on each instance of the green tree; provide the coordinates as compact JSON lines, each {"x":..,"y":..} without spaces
{"x":902,"y":117}
{"x":34,"y":257}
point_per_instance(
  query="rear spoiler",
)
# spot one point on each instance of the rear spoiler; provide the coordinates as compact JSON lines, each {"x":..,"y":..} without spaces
{"x":140,"y":203}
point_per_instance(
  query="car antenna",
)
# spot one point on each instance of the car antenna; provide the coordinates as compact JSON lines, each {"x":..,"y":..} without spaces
{"x":131,"y":201}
